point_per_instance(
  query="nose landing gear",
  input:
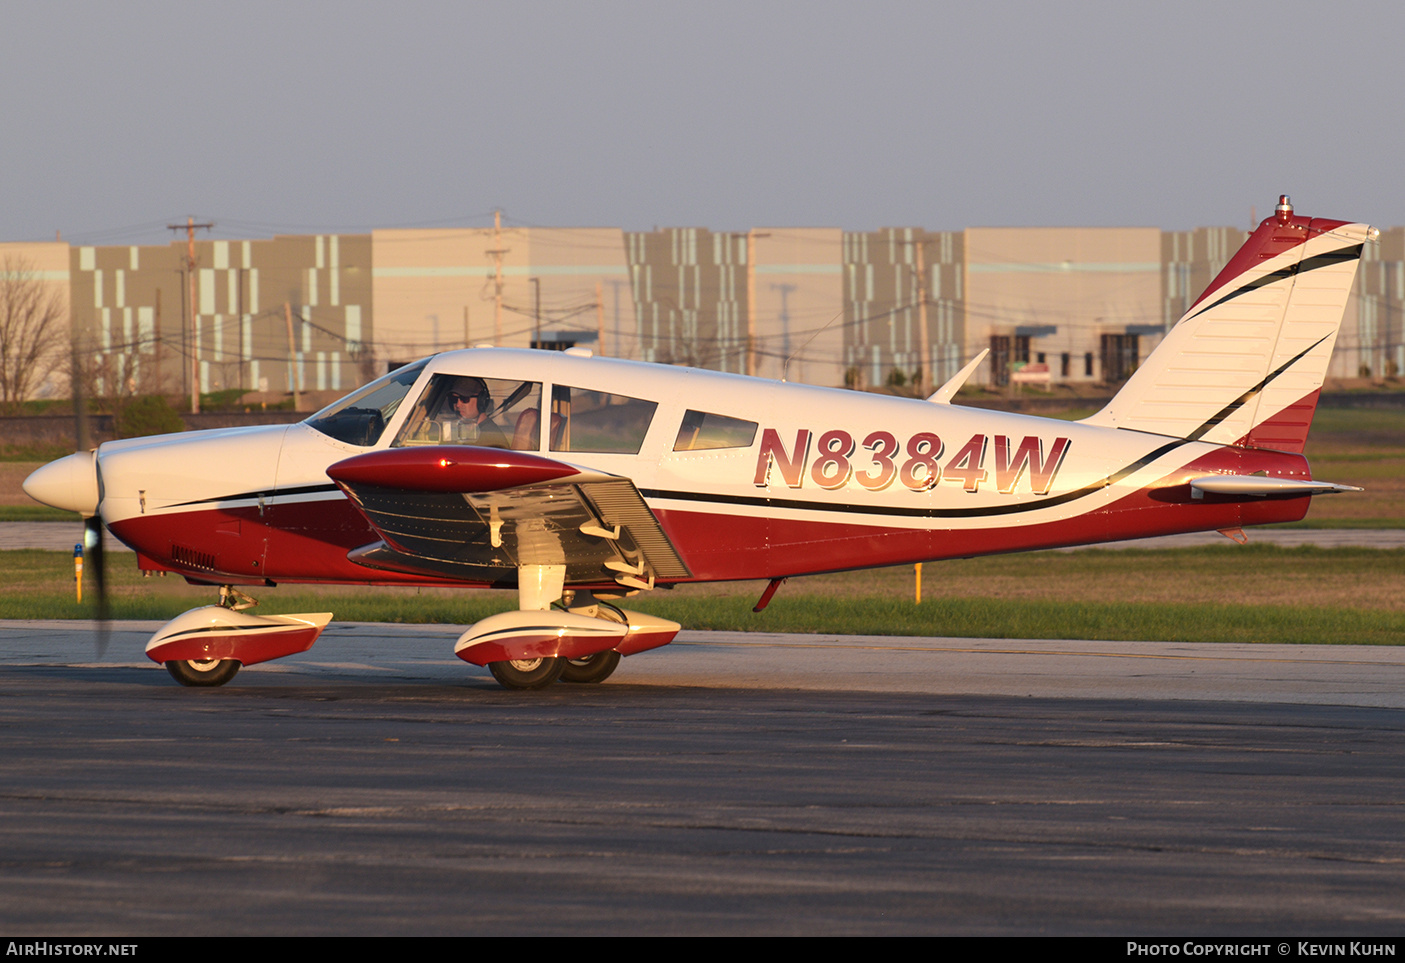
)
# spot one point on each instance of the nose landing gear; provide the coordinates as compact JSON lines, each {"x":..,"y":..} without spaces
{"x":202,"y":672}
{"x":207,"y":646}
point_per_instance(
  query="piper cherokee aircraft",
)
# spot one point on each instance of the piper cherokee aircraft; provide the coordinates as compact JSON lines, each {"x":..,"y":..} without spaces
{"x":579,"y":480}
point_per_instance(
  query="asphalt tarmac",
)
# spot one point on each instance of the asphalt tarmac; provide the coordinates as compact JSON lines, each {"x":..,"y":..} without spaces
{"x":727,"y":784}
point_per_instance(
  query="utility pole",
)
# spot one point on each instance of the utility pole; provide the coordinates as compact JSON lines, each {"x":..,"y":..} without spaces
{"x":619,"y":336}
{"x":786,"y":290}
{"x":497,"y":253}
{"x":537,"y":311}
{"x":751,"y":237}
{"x":156,"y":332}
{"x":190,"y":227}
{"x":924,"y":339}
{"x":750,"y":304}
{"x":922,"y":377}
{"x":244,"y":323}
{"x":292,"y":357}
{"x":599,"y":319}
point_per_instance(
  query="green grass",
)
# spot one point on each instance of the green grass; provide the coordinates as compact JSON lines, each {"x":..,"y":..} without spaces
{"x":36,"y":513}
{"x":38,"y":454}
{"x":960,"y":617}
{"x":1328,"y":421}
{"x":1039,"y":619}
{"x":1216,"y":594}
{"x":1331,"y":523}
{"x":402,"y":609}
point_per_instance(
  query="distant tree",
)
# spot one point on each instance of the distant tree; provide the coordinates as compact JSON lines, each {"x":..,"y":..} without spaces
{"x":146,"y":415}
{"x":33,"y":329}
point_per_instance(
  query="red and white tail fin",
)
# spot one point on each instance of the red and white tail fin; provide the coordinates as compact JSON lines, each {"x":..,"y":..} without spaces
{"x":1246,"y":363}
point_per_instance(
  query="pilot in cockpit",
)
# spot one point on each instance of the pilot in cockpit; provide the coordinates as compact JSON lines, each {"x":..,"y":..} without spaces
{"x":470,"y":402}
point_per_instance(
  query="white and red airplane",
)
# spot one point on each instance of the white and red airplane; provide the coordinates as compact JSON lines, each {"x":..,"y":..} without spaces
{"x":579,"y":480}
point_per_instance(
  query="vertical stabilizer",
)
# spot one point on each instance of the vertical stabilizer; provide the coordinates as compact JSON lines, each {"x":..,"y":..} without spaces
{"x":1247,"y":362}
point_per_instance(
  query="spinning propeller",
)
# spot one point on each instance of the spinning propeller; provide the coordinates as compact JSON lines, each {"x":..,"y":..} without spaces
{"x":95,"y":557}
{"x":94,"y":549}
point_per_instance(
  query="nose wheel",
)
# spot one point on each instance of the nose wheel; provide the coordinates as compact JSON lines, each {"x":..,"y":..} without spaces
{"x":203,"y":672}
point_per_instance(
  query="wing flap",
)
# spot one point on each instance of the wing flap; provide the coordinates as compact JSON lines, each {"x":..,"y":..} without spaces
{"x":439,"y":510}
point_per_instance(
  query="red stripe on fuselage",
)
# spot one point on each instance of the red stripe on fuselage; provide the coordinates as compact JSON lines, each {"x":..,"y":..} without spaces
{"x":308,"y":541}
{"x":722,"y":547}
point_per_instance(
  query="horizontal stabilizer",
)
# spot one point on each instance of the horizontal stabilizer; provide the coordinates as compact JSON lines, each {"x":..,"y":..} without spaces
{"x":1261,"y":486}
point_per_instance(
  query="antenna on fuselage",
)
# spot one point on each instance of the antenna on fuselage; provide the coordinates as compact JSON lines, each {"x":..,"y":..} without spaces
{"x":944,"y":394}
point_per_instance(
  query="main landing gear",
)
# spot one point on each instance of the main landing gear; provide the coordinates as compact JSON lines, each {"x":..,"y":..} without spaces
{"x":571,"y":635}
{"x":527,"y":673}
{"x":540,"y":673}
{"x":591,"y":668}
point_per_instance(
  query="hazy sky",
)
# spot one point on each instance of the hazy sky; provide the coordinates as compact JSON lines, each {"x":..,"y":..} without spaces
{"x":302,"y":117}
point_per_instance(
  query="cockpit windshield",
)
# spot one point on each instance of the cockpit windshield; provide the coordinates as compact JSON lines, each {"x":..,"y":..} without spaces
{"x":360,"y":418}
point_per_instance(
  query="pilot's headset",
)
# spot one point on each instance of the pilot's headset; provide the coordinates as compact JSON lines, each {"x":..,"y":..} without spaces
{"x":465,"y":387}
{"x":478,"y":388}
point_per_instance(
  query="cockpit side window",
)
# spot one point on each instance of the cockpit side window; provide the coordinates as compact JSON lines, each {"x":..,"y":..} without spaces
{"x":468,"y":410}
{"x":702,"y":430}
{"x":596,"y":421}
{"x":360,"y":418}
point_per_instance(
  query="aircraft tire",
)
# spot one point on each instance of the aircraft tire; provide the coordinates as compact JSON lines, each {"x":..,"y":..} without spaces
{"x":591,"y":668}
{"x":527,"y":673}
{"x":203,"y":673}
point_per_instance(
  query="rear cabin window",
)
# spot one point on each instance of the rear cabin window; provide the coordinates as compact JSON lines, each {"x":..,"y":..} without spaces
{"x":702,"y":431}
{"x":596,"y":421}
{"x":483,"y":412}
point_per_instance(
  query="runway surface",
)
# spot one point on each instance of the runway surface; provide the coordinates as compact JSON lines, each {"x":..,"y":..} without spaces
{"x":729,"y":783}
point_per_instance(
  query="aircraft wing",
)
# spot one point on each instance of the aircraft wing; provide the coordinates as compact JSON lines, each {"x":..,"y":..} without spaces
{"x":479,"y":514}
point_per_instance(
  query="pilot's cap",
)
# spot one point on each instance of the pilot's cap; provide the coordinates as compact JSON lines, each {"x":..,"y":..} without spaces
{"x":469,"y":387}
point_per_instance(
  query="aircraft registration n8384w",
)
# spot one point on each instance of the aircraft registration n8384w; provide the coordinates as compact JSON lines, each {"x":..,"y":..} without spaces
{"x":580,"y":480}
